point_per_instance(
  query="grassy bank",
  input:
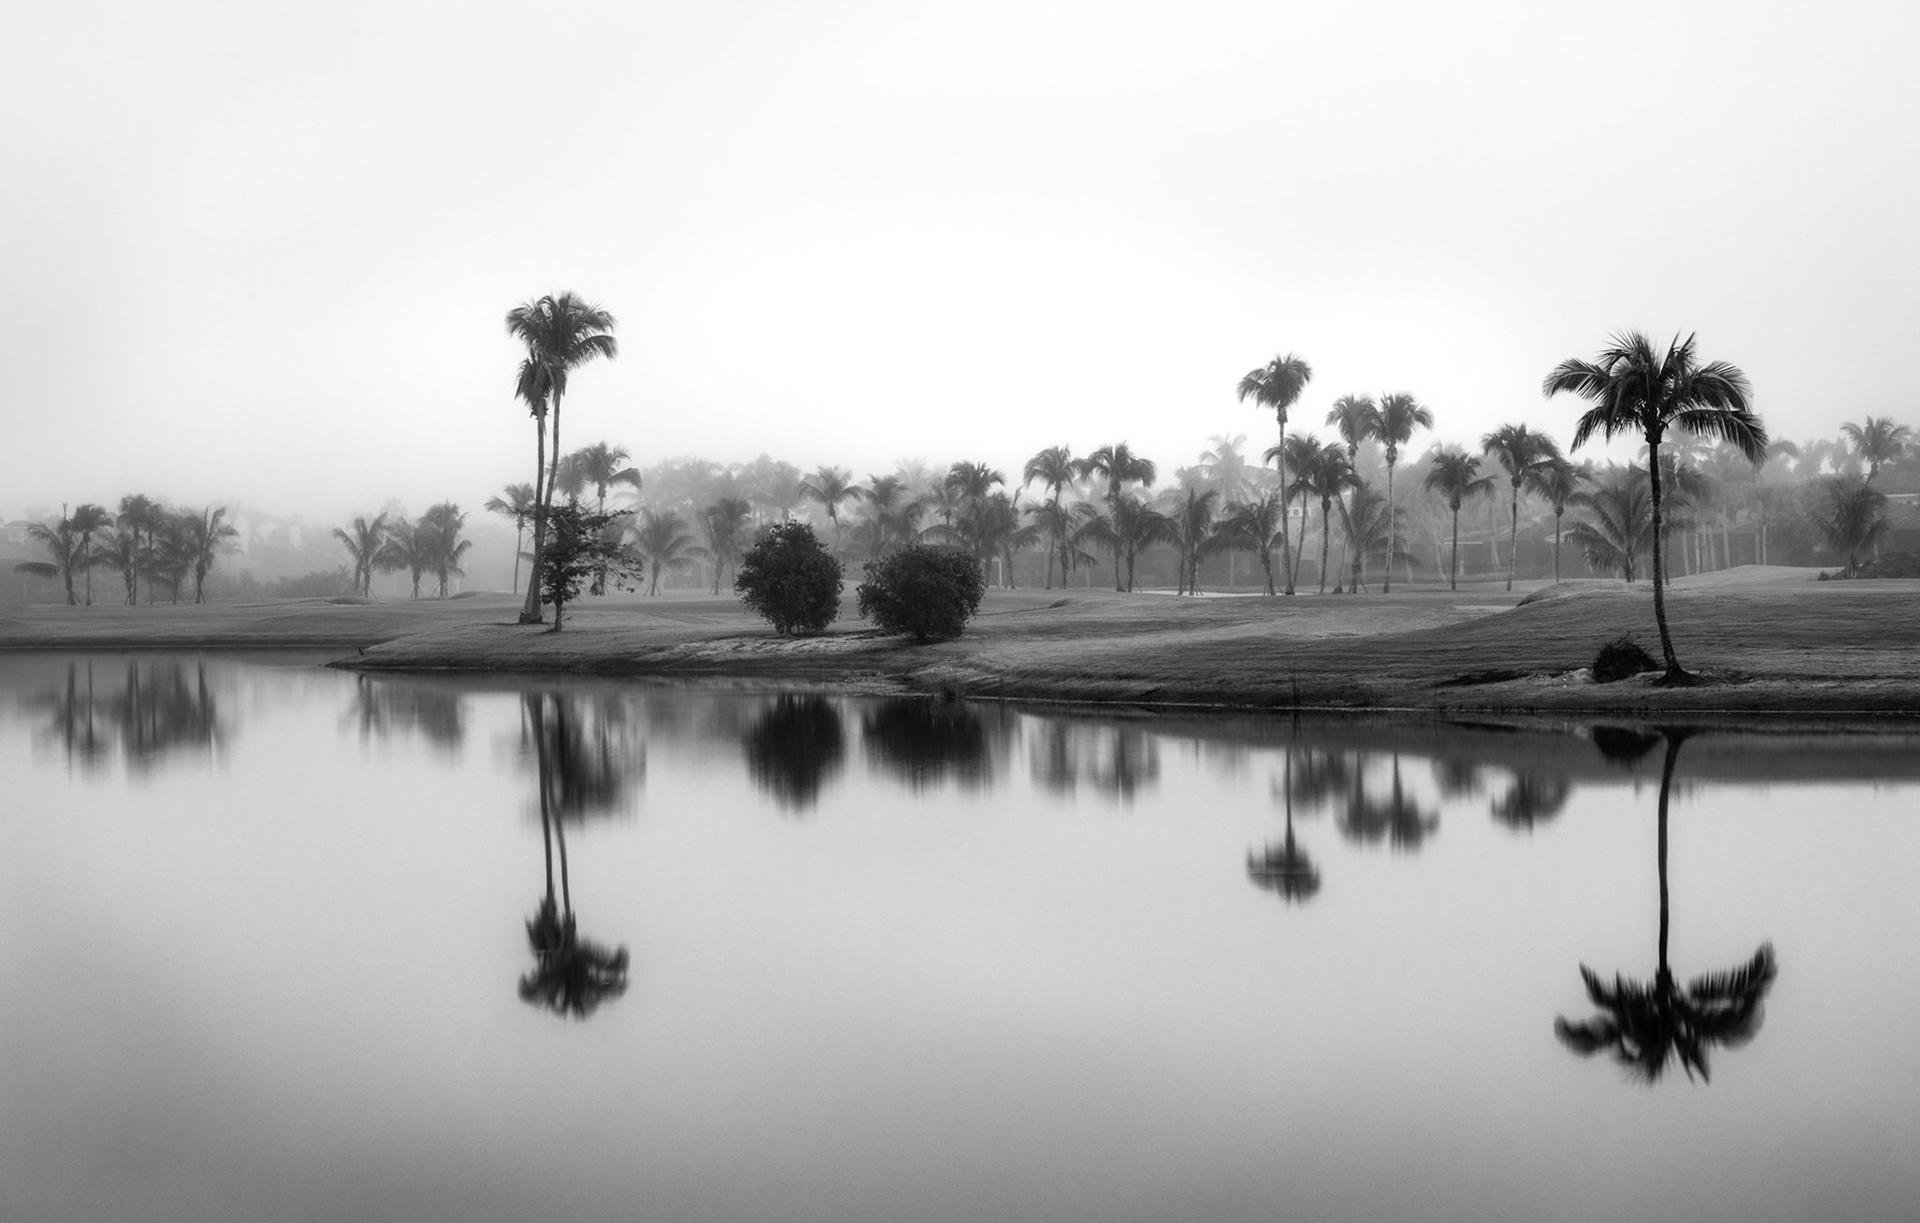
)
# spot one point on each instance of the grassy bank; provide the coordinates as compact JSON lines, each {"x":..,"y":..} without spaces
{"x":1767,"y":639}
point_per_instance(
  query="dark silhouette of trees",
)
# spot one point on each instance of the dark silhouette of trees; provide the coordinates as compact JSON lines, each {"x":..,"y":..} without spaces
{"x":794,"y":748}
{"x":1455,"y":475}
{"x":1278,"y":385}
{"x":1520,"y":452}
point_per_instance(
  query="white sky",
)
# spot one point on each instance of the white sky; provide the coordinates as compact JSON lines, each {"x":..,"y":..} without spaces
{"x":263,"y":252}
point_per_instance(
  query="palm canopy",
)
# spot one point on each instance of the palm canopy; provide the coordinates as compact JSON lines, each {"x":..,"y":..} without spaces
{"x":1877,"y":441}
{"x":1054,"y":467}
{"x":1648,"y":1027}
{"x":562,"y":332}
{"x":1455,"y":476}
{"x":1357,"y":418}
{"x":600,"y":467}
{"x":1119,"y":466}
{"x":1277,"y":385}
{"x":1636,"y":389}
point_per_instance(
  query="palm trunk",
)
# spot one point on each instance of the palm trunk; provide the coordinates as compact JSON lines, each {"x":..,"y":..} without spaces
{"x":519,"y":534}
{"x":1326,"y":511}
{"x":1674,"y":670}
{"x":1453,"y":574}
{"x":530,"y":610}
{"x":1556,"y":545}
{"x":1513,"y":534}
{"x":1386,"y":578}
{"x":1286,"y":540}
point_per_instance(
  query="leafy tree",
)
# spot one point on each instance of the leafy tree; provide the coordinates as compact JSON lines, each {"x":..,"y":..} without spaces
{"x":1877,"y":442}
{"x":1636,"y":389}
{"x":724,"y":522}
{"x":206,"y":535}
{"x":664,"y":543}
{"x":1621,"y":529}
{"x":65,"y":545}
{"x":929,"y":592}
{"x":1400,"y":414}
{"x":1853,"y":518}
{"x":1558,"y":481}
{"x":791,"y":579}
{"x":1519,"y":451}
{"x":1455,"y":476}
{"x":580,"y":547}
{"x":561,"y":333}
{"x":1278,"y":385}
{"x":517,"y":506}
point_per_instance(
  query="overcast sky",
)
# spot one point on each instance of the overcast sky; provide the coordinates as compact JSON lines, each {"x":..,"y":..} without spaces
{"x":262,"y":252}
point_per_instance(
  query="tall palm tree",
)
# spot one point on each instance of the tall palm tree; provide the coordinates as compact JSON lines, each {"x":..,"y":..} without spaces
{"x":1224,"y":463}
{"x":663,"y":541}
{"x":407,"y":548}
{"x":1278,"y":385}
{"x":1195,"y":535}
{"x":600,"y":467}
{"x":1518,"y":450}
{"x":141,"y":515}
{"x":1854,"y":518}
{"x":363,"y":541}
{"x":516,"y":505}
{"x":1326,"y":471}
{"x":1119,"y":466}
{"x":1055,"y":468}
{"x":1253,"y":526}
{"x":1400,"y":414}
{"x":66,"y":546}
{"x":1357,"y":419}
{"x":1877,"y":442}
{"x":561,"y":332}
{"x":124,"y":552}
{"x":89,"y":520}
{"x":832,"y":487}
{"x":438,"y":535}
{"x":1558,"y":480}
{"x":1636,"y":389}
{"x":1373,"y":530}
{"x":206,"y":535}
{"x":1648,"y":1026}
{"x":1455,"y":475}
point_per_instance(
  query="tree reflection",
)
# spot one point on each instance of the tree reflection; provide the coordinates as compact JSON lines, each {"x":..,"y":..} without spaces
{"x":1398,"y":819}
{"x":1285,"y":868}
{"x":924,"y":742}
{"x":1647,"y":1026}
{"x":384,"y":707}
{"x":1118,"y":760}
{"x":580,"y":775}
{"x":794,"y":748}
{"x":159,"y":709}
{"x":1531,"y":798}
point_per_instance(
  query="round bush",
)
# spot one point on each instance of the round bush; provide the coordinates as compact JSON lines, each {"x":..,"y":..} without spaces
{"x":928,"y":592}
{"x":789,"y":577}
{"x":1620,"y":658}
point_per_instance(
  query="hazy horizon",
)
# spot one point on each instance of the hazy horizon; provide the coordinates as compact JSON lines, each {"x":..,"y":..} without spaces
{"x":257,"y":257}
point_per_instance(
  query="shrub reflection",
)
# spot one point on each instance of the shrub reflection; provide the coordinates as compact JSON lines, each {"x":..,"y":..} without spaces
{"x":924,"y":743}
{"x":581,"y":774}
{"x":795,"y":748}
{"x":1648,"y":1026}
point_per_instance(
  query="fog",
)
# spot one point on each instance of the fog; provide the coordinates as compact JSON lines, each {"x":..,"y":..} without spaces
{"x":262,"y":256}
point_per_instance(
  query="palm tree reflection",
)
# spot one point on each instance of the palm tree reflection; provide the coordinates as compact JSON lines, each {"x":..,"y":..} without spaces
{"x":794,"y":748}
{"x":1531,"y":798}
{"x":580,"y":775}
{"x":1285,"y":868}
{"x":159,"y":709}
{"x":1399,"y":819}
{"x":1647,"y":1026}
{"x":1116,"y":759}
{"x":384,"y":707}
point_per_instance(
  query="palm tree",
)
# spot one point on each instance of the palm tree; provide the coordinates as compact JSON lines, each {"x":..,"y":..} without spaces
{"x":170,"y":554}
{"x":600,"y":467}
{"x":438,"y":536}
{"x":1326,"y":471}
{"x":141,"y":515}
{"x":125,"y":553}
{"x":1055,"y":468}
{"x":725,"y":524}
{"x":517,"y":505}
{"x":1519,"y":450}
{"x":1119,"y":466}
{"x":1853,"y":519}
{"x":1648,"y":1026}
{"x":206,"y":537}
{"x":1877,"y":442}
{"x":1558,"y":480}
{"x":89,"y":520}
{"x":68,"y":548}
{"x":1622,"y":525}
{"x":1224,"y":464}
{"x":1400,"y":414}
{"x":663,"y":542}
{"x":363,"y":543}
{"x":893,"y":513}
{"x":1253,"y":527}
{"x":1455,"y":475}
{"x":1635,"y":389}
{"x":408,"y":548}
{"x":1278,"y":385}
{"x":832,"y":487}
{"x":1195,"y":536}
{"x":561,"y":332}
{"x":1372,"y":529}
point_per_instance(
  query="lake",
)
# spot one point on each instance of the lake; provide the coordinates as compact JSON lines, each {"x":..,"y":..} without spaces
{"x":288,"y":943}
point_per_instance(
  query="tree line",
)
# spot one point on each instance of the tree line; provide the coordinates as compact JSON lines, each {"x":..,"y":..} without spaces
{"x":143,"y":539}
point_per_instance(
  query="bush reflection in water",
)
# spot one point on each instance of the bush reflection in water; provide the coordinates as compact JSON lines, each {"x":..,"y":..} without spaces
{"x":794,"y":748}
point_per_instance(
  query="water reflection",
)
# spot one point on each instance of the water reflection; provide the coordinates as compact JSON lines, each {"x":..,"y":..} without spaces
{"x":1118,"y":760}
{"x":1397,"y":818}
{"x":385,"y":707}
{"x":1648,"y":1026}
{"x":145,"y":710}
{"x":581,"y":774}
{"x":1285,"y":868}
{"x":1531,"y":798}
{"x":924,"y":743}
{"x":795,"y":748}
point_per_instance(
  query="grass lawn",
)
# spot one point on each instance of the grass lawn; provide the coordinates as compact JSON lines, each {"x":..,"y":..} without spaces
{"x":1768,"y":639}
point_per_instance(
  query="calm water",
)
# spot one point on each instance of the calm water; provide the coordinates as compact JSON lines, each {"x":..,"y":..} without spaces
{"x":277,"y":944}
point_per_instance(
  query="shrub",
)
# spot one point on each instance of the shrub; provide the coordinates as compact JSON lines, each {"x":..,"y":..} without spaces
{"x":580,"y":546}
{"x":789,"y":577}
{"x":1620,"y":658}
{"x":929,"y":592}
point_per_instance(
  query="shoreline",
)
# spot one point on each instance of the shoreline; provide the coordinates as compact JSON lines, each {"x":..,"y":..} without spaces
{"x":1770,"y":642}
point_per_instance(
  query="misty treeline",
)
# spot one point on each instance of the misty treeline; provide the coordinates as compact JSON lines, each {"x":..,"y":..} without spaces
{"x":390,"y":542}
{"x":140,"y":541}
